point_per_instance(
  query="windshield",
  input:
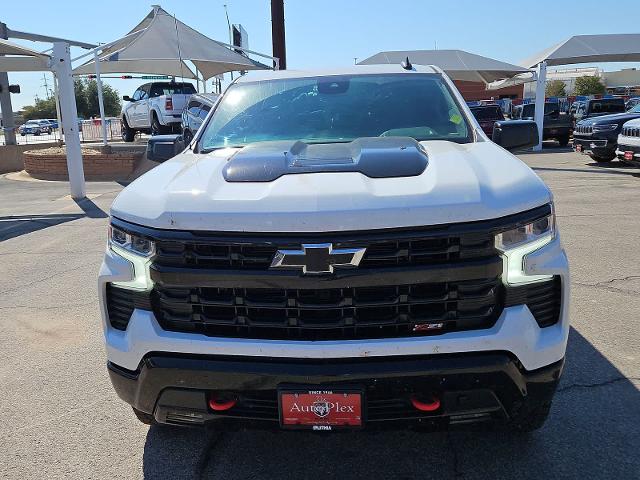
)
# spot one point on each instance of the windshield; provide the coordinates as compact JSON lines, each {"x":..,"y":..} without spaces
{"x":528,"y":110}
{"x":487,"y":113}
{"x":604,"y":106}
{"x":635,"y":109}
{"x":336,"y":109}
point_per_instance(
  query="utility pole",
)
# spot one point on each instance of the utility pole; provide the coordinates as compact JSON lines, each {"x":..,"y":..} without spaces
{"x":277,"y":33}
{"x":5,"y":100}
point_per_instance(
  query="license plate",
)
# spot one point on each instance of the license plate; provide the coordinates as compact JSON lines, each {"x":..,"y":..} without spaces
{"x":320,"y":409}
{"x":628,"y":155}
{"x":578,"y":148}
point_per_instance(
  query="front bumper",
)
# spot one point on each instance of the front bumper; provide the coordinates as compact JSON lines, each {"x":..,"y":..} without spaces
{"x":629,"y":144}
{"x":471,"y":388}
{"x":594,"y":146}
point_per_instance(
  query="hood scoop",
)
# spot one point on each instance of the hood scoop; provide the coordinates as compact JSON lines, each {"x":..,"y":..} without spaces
{"x":375,"y":157}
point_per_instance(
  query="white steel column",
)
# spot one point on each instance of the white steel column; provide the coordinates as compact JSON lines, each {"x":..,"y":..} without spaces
{"x":57,"y":99}
{"x":61,"y":65}
{"x":103,"y":120}
{"x":540,"y":97}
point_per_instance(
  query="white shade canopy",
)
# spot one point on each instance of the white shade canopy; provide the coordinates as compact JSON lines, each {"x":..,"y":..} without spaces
{"x":617,"y":47}
{"x":458,"y":64}
{"x":161,"y":44}
{"x":21,"y":59}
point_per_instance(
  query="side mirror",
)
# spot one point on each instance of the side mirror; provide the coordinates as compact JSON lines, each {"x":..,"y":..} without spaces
{"x":161,"y":148}
{"x":127,"y":98}
{"x":514,"y":135}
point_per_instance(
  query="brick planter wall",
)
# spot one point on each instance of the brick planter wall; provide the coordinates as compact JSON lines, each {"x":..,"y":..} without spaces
{"x":113,"y":166}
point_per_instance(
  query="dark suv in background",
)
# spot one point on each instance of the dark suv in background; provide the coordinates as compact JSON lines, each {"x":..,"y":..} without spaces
{"x":597,"y":107}
{"x":487,"y":116}
{"x":557,"y":125}
{"x":598,"y":137}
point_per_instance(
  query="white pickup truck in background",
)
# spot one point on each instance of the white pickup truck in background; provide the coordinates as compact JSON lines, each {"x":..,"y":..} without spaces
{"x":155,"y":108}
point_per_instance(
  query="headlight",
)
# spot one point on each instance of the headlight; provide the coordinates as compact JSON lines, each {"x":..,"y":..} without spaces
{"x":131,"y":242}
{"x":517,"y":243}
{"x":138,"y":251}
{"x":605,"y":128}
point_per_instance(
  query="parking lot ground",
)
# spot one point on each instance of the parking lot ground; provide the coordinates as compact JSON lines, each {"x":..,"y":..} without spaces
{"x":61,"y":419}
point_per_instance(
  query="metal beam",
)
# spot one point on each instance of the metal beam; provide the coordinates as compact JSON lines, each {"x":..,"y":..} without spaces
{"x":5,"y":101}
{"x":34,"y":37}
{"x":277,"y":34}
{"x":540,"y":97}
{"x":61,"y":65}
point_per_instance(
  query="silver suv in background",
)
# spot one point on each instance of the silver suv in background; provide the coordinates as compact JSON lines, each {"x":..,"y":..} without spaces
{"x":197,"y":110}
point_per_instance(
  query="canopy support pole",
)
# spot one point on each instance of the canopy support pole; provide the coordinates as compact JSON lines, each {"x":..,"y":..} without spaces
{"x":540,"y":97}
{"x":5,"y":100}
{"x":61,"y":65}
{"x":57,"y":99}
{"x":103,"y":120}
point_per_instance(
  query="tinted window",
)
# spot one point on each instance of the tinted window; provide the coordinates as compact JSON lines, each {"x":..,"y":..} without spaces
{"x":606,"y":106}
{"x":159,"y":89}
{"x":205,"y":111}
{"x":194,"y":107}
{"x":492,"y":112}
{"x":336,"y":109}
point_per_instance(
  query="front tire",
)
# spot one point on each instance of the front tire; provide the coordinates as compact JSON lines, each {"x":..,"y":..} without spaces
{"x":603,"y":159}
{"x":563,"y":141}
{"x":128,"y":134}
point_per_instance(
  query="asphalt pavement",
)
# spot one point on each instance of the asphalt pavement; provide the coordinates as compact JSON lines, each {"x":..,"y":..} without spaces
{"x":59,"y":417}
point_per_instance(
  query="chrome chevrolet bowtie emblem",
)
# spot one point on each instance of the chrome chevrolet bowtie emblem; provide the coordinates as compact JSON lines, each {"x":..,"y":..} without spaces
{"x":318,"y":258}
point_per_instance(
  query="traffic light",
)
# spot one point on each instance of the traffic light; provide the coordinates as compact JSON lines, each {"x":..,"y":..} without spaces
{"x":126,"y":77}
{"x":91,"y":77}
{"x":12,"y":88}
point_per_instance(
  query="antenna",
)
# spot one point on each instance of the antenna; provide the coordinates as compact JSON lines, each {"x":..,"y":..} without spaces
{"x":407,"y":64}
{"x":226,"y":12}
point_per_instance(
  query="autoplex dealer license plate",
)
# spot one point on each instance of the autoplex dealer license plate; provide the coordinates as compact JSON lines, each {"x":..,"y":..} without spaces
{"x":320,"y":409}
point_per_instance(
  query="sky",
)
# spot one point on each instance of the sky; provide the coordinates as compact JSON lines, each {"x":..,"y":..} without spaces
{"x":324,"y":33}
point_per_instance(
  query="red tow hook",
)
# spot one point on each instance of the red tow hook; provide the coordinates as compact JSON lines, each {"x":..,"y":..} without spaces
{"x":221,"y":405}
{"x":426,"y":406}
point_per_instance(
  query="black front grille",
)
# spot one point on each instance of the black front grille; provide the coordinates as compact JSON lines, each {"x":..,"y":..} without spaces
{"x":302,"y":314}
{"x":583,"y":130}
{"x":544,"y":299}
{"x":406,"y":249}
{"x":121,"y":302}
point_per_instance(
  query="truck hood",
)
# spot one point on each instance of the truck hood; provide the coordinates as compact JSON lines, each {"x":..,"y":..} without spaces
{"x":462,"y":183}
{"x":612,"y":118}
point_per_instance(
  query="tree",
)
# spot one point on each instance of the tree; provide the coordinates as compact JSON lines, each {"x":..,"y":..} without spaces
{"x":41,"y":109}
{"x":111,"y":97}
{"x":589,"y":85}
{"x":555,"y":88}
{"x":86,"y":93}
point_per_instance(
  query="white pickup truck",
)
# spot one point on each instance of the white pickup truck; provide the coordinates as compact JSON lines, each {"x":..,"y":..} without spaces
{"x":339,"y":249}
{"x":155,"y":108}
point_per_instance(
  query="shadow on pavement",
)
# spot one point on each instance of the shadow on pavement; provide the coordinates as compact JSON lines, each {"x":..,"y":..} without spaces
{"x":593,"y":432}
{"x":90,"y":209}
{"x":16,"y":225}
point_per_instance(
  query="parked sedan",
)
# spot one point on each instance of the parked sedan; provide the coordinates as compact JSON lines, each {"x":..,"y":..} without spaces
{"x":34,"y":127}
{"x":197,"y":110}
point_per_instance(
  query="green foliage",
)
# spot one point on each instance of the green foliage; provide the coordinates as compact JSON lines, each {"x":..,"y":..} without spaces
{"x":111,"y":97}
{"x":41,"y":109}
{"x":589,"y":85}
{"x":86,"y":93}
{"x":555,"y":88}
